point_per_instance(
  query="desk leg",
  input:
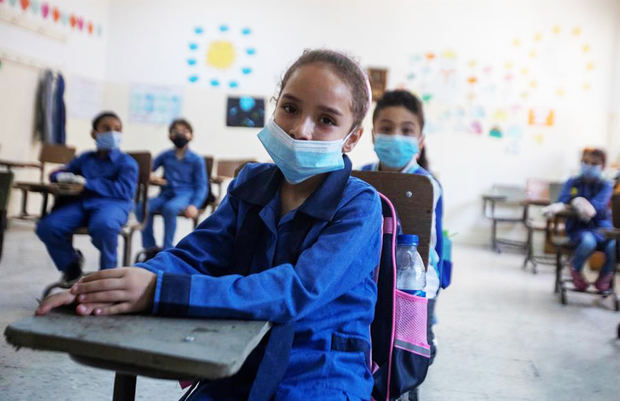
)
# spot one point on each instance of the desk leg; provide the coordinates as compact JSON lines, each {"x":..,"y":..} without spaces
{"x":124,"y":387}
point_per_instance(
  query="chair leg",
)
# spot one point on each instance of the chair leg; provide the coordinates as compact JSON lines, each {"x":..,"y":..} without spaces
{"x":24,"y":211}
{"x":494,"y":237}
{"x":3,"y":220}
{"x":558,"y":270}
{"x":127,"y":248}
{"x":528,"y":248}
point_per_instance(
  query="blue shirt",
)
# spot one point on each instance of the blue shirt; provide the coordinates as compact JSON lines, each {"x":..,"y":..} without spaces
{"x":312,"y":267}
{"x":112,"y":178}
{"x":598,"y":192}
{"x":436,"y":241}
{"x":187,"y":174}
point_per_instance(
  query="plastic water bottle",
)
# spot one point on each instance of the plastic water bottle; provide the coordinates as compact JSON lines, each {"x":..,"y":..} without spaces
{"x":410,"y":270}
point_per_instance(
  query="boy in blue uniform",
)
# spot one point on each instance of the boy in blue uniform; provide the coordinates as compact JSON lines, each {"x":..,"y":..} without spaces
{"x":398,"y":120}
{"x":109,"y":178}
{"x":590,"y":194}
{"x":295,"y":243}
{"x":185,"y":184}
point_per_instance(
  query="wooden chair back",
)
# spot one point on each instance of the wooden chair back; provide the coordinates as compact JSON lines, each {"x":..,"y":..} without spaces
{"x":412,"y":196}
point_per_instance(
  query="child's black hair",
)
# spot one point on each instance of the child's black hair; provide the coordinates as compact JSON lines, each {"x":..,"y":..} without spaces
{"x":409,"y":101}
{"x":400,"y":98}
{"x":596,"y":152}
{"x":103,"y":115}
{"x":180,"y":121}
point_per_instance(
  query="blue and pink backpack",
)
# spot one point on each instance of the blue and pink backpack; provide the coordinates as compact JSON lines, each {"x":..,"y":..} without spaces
{"x":400,"y":351}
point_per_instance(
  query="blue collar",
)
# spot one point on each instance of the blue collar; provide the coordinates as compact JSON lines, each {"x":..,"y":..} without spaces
{"x":113,"y":155}
{"x":321,"y":204}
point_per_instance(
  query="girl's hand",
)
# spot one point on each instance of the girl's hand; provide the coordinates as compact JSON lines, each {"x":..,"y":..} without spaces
{"x":114,"y":291}
{"x":54,"y":301}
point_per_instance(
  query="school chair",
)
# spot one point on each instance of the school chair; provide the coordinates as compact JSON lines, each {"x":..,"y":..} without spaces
{"x":538,"y":193}
{"x":50,"y":154}
{"x":226,"y":169}
{"x":506,"y":196}
{"x":6,"y":179}
{"x":412,"y":196}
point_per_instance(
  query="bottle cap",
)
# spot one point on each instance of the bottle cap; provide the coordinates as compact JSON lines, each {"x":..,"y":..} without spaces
{"x":408,"y":239}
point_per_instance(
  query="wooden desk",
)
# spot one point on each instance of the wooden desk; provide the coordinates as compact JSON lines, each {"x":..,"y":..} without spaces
{"x":45,"y":189}
{"x":509,"y":197}
{"x":10,"y":164}
{"x":134,"y":345}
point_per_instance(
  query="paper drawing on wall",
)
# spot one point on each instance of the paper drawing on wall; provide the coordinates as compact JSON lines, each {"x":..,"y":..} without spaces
{"x":43,"y":14}
{"x":220,"y":55}
{"x":495,"y":132}
{"x":154,"y":104}
{"x":378,"y":82}
{"x":541,"y":117}
{"x":245,"y":111}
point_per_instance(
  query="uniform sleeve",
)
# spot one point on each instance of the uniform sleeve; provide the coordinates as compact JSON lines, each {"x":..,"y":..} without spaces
{"x":74,"y":166}
{"x":345,"y":254}
{"x":122,"y":187}
{"x":600,"y":201}
{"x":439,"y":231}
{"x":159,"y":161}
{"x":200,"y":183}
{"x":565,"y":193}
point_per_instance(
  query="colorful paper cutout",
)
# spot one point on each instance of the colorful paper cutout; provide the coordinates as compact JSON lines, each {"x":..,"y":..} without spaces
{"x":541,"y":117}
{"x":495,"y":132}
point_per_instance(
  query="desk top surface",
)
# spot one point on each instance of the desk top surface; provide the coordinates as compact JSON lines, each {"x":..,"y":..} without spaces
{"x":144,"y":345}
{"x":19,"y":163}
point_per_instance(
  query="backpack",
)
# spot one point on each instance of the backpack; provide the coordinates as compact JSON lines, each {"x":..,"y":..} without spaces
{"x":400,"y":353}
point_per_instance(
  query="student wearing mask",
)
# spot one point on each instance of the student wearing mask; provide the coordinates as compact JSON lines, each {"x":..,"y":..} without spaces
{"x":589,"y":194}
{"x":109,"y":178}
{"x":185,"y":185}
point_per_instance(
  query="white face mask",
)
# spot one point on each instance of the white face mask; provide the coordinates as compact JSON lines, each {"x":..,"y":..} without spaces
{"x":299,"y":160}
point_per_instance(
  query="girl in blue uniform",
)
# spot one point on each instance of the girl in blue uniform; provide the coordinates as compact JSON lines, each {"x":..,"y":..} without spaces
{"x":398,"y":120}
{"x":109,"y":178}
{"x":590,"y":193}
{"x":295,"y":243}
{"x":185,"y":184}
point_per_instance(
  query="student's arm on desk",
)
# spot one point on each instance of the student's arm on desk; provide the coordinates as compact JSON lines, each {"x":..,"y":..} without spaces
{"x":107,"y":292}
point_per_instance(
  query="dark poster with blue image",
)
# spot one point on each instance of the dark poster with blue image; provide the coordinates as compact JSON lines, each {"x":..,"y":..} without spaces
{"x":245,"y":112}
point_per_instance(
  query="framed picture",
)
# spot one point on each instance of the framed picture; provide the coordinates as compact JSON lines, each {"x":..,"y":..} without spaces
{"x":378,"y":81}
{"x":245,"y":111}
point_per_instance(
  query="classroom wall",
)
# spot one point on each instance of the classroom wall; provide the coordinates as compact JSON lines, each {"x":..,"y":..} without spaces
{"x":614,"y":108}
{"x":565,"y":46}
{"x":24,"y":53}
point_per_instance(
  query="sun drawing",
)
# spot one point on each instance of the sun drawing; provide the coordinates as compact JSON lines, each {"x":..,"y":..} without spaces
{"x":220,"y":57}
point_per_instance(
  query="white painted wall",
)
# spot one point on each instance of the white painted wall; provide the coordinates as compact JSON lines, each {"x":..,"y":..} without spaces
{"x":147,"y":42}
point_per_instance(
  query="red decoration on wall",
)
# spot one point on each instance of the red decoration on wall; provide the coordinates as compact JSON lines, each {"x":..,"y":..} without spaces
{"x":90,"y":28}
{"x":25,"y":4}
{"x":56,"y":14}
{"x":45,"y":10}
{"x":72,"y":21}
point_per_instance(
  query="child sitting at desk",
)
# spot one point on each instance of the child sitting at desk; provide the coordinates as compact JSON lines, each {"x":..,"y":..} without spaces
{"x":184,"y":186}
{"x":109,"y":178}
{"x":295,"y":243}
{"x":589,"y":194}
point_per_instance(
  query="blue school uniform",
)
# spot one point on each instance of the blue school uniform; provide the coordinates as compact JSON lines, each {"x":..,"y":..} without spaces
{"x":598,"y":192}
{"x":436,"y":240}
{"x":186,"y":184}
{"x":310,"y":272}
{"x":103,"y":206}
